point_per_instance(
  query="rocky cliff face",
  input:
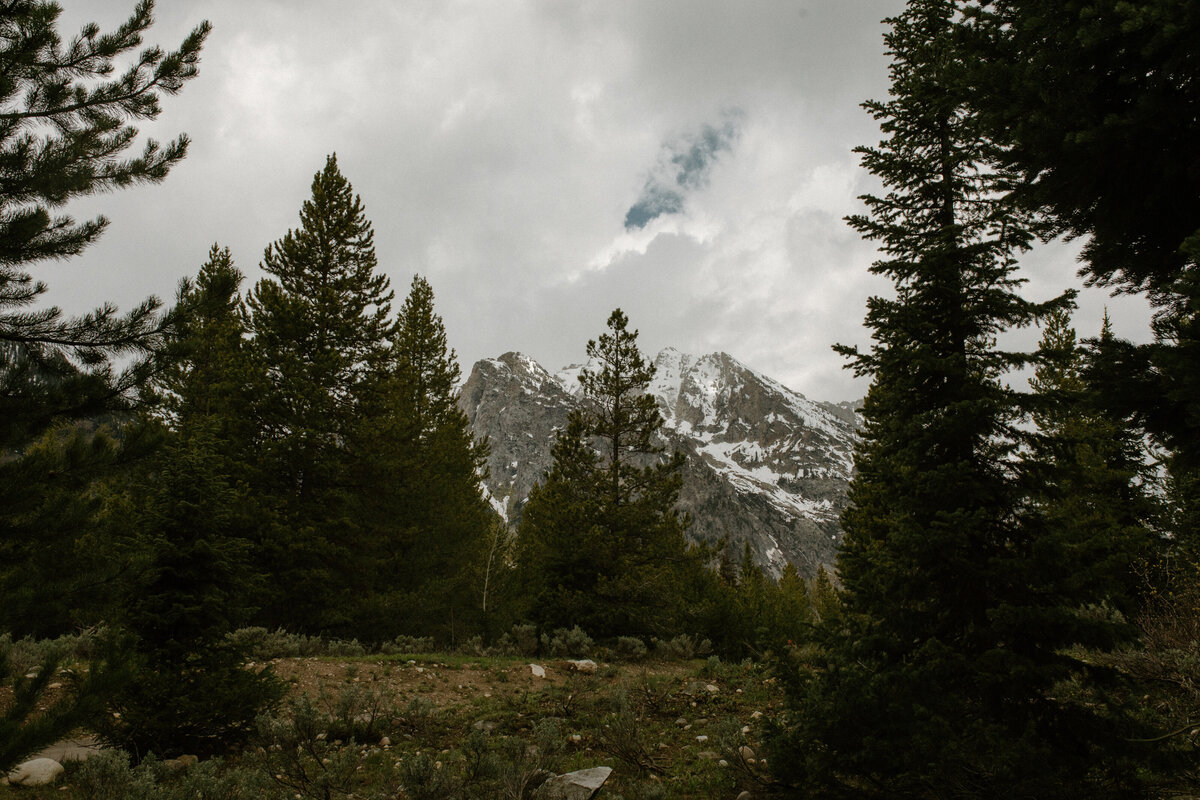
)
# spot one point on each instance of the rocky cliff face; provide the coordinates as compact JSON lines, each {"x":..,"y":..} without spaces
{"x":765,"y":465}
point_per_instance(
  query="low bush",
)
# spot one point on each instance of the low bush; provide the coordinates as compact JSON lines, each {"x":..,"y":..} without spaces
{"x":563,"y":642}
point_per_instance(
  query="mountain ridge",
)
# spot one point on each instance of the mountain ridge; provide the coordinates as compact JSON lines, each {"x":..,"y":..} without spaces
{"x":765,"y":465}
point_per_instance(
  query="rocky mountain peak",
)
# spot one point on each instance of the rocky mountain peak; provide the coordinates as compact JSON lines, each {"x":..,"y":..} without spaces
{"x":766,"y":466}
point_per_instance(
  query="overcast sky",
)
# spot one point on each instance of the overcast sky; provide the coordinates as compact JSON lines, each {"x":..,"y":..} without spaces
{"x":541,"y":162}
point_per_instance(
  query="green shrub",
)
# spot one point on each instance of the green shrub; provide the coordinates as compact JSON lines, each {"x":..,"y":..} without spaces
{"x":407,"y":644}
{"x":563,"y":642}
{"x":630,"y":648}
{"x":682,"y":648}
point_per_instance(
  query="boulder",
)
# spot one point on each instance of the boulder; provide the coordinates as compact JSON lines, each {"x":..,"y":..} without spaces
{"x":38,"y":772}
{"x":583,"y":665}
{"x":537,"y":670}
{"x":579,"y":785}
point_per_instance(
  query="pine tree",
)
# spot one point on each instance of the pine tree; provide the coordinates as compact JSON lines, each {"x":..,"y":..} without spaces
{"x":941,"y":674}
{"x":213,"y":373}
{"x":321,"y":328}
{"x":194,"y":692}
{"x":192,"y":517}
{"x":321,"y":325}
{"x":603,"y":531}
{"x":64,"y":132}
{"x":1064,"y":86}
{"x":1088,"y":477}
{"x":423,"y":471}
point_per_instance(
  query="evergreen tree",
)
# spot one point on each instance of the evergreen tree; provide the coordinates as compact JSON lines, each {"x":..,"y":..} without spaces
{"x":1087,"y":476}
{"x":940,"y":676}
{"x":422,"y":473}
{"x":193,"y":693}
{"x":602,"y":537}
{"x":64,"y":133}
{"x":213,"y":374}
{"x":321,"y":329}
{"x":1064,"y":86}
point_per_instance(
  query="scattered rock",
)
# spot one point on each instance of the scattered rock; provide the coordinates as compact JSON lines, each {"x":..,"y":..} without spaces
{"x":702,"y":738}
{"x":579,"y":785}
{"x":485,"y":725}
{"x":746,"y":753}
{"x":537,"y":670}
{"x":708,"y":755}
{"x":745,"y":796}
{"x":584,"y":665}
{"x":38,"y":772}
{"x":756,"y":715}
{"x":722,"y":763}
{"x":681,"y":722}
{"x":711,"y":688}
{"x":385,"y":742}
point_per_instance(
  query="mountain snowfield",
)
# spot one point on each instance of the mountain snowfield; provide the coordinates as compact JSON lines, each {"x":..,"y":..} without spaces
{"x":766,"y":466}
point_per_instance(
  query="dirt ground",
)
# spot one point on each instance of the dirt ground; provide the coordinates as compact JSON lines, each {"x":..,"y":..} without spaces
{"x":441,"y":683}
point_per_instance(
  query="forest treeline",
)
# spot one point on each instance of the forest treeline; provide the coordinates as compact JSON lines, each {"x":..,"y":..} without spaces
{"x":1015,"y":611}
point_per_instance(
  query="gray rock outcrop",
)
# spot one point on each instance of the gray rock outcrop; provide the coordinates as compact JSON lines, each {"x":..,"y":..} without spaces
{"x":579,"y":785}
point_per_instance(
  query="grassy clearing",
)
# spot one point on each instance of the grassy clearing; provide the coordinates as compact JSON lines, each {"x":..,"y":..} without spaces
{"x":420,"y":726}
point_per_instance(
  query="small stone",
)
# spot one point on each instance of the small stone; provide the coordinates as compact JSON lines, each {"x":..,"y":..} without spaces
{"x":708,"y":755}
{"x":576,"y":738}
{"x":711,"y":688}
{"x":385,"y":742}
{"x":701,"y":738}
{"x":722,"y":763}
{"x":485,"y":725}
{"x":745,"y":796}
{"x":537,"y":670}
{"x":681,"y":722}
{"x":756,"y":715}
{"x":745,"y":729}
{"x":737,"y":691}
{"x":584,"y":666}
{"x":746,"y":753}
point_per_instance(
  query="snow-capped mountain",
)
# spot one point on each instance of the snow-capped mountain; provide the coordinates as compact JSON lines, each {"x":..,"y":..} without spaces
{"x":765,"y":464}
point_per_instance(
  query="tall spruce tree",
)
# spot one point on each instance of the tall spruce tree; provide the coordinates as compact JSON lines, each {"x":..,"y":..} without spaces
{"x":421,"y":472}
{"x":940,"y":678}
{"x":1089,"y":480}
{"x":601,"y":538}
{"x":321,"y":325}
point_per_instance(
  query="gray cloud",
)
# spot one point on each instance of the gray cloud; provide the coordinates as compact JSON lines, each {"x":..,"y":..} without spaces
{"x":498,"y":148}
{"x":690,"y":160}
